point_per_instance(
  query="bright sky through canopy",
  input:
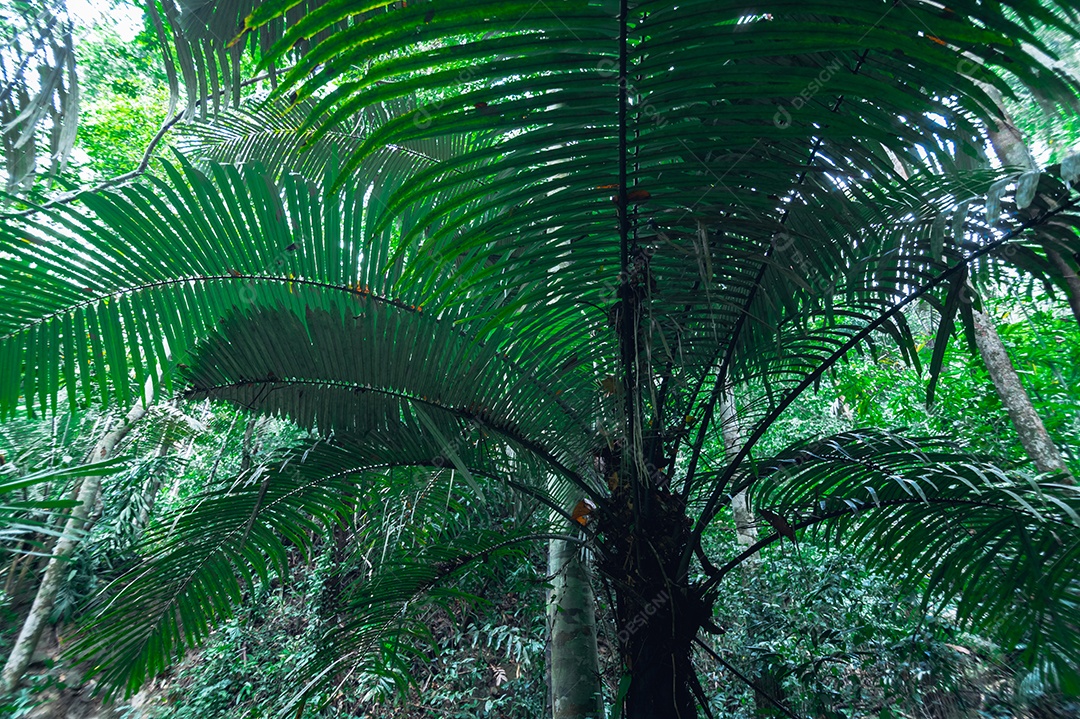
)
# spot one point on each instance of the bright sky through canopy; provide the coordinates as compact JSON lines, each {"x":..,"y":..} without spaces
{"x":125,"y":17}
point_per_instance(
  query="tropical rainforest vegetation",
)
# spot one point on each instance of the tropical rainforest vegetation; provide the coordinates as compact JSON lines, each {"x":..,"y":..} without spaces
{"x":589,"y":358}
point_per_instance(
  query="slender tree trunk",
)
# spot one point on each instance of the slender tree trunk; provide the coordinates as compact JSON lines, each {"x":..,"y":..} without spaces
{"x":21,"y":653}
{"x":745,"y":529}
{"x":571,"y":611}
{"x":245,"y":447}
{"x":1007,"y":141}
{"x":1009,"y":146}
{"x":16,"y":559}
{"x":1029,"y":427}
{"x":153,"y":485}
{"x":746,"y":534}
{"x":221,"y":455}
{"x":30,"y":563}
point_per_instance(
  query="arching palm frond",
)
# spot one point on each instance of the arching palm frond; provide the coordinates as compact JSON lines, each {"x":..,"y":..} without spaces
{"x":203,"y":43}
{"x":999,"y":547}
{"x":384,"y":490}
{"x":898,"y":250}
{"x":702,"y":142}
{"x":736,"y":146}
{"x":346,"y":333}
{"x":161,"y":265}
{"x":1041,"y":199}
{"x":272,"y":134}
{"x":363,"y":367}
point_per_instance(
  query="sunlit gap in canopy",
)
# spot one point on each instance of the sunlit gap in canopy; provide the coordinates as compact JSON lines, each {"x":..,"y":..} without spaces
{"x":124,"y":19}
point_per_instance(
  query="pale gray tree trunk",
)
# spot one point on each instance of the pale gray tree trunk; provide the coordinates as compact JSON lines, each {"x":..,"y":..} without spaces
{"x":246,"y":446}
{"x":1008,"y":144}
{"x":1029,"y":427}
{"x":746,"y":534}
{"x":153,"y":485}
{"x":745,"y":529}
{"x":574,"y":672}
{"x":1006,"y":139}
{"x":186,"y":453}
{"x":32,"y":628}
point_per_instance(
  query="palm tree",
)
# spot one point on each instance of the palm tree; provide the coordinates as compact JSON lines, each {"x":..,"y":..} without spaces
{"x":562,"y":235}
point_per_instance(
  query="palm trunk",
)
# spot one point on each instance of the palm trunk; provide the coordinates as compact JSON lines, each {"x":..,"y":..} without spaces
{"x":659,"y":614}
{"x":658,"y":622}
{"x":574,"y":663}
{"x":1033,"y":435}
{"x":32,"y":628}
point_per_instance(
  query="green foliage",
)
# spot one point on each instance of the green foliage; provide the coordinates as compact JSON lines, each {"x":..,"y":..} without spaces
{"x":248,"y":659}
{"x":26,"y":700}
{"x":883,"y":391}
{"x":113,"y":66}
{"x":247,"y":664}
{"x":405,"y":538}
{"x":490,"y":620}
{"x":116,"y":129}
{"x":527,"y":267}
{"x":26,"y":509}
{"x":842,"y":640}
{"x":126,"y":100}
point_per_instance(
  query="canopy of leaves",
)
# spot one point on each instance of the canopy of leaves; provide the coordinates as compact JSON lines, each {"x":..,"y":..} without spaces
{"x":540,"y":238}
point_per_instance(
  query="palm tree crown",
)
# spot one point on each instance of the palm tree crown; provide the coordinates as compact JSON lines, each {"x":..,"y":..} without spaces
{"x":537,"y":245}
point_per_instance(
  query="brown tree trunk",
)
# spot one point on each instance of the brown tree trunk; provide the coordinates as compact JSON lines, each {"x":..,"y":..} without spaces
{"x":1033,"y":435}
{"x":659,"y":618}
{"x":21,"y":653}
{"x":657,"y":612}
